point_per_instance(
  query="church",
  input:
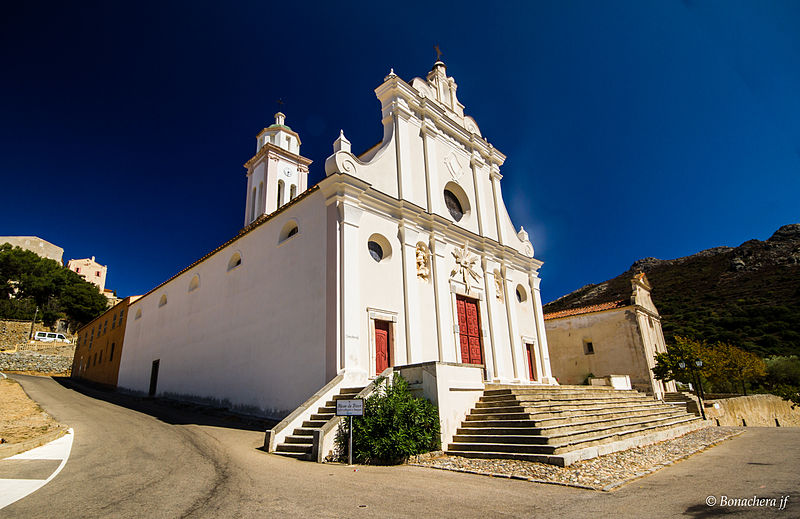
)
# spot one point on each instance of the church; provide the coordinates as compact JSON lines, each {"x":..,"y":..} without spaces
{"x":404,"y":255}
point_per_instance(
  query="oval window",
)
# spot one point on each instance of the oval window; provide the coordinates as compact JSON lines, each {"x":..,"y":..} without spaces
{"x":375,"y":250}
{"x":453,"y":205}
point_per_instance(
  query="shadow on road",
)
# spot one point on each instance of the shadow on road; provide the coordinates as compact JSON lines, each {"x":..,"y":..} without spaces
{"x":171,"y":411}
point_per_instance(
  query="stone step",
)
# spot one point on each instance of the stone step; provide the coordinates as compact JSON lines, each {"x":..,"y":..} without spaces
{"x":303,"y":431}
{"x":600,"y":415}
{"x":296,"y":455}
{"x":497,"y":431}
{"x":525,"y":448}
{"x":294,"y":447}
{"x":515,"y":424}
{"x":322,"y":416}
{"x":541,"y":435}
{"x":546,"y":390}
{"x":540,"y":415}
{"x":629,"y":433}
{"x":314,"y":424}
{"x":555,"y":411}
{"x":598,"y":429}
{"x":539,"y":458}
{"x":305,"y":440}
{"x":490,"y":450}
{"x":498,"y":416}
{"x":528,"y":439}
{"x":327,"y":409}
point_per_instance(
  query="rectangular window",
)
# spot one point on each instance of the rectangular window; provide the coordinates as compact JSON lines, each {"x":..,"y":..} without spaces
{"x":588,"y":348}
{"x":97,"y":274}
{"x":105,"y":326}
{"x":114,"y":321}
{"x":111,"y":355}
{"x":77,"y":270}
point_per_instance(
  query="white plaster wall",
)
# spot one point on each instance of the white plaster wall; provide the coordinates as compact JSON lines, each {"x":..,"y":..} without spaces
{"x":254,"y":335}
{"x":381,"y":287}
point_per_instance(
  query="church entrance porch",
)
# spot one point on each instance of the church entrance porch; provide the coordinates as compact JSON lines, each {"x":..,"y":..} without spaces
{"x":469,"y":327}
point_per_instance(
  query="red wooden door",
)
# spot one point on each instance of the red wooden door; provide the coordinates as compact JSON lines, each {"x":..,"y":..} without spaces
{"x":469,"y":326}
{"x":381,"y":346}
{"x":531,"y":361}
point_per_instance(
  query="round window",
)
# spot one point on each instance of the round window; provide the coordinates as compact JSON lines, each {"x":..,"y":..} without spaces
{"x":453,"y":205}
{"x":375,"y":250}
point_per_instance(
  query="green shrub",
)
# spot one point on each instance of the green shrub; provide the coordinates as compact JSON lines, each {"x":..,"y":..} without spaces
{"x":395,"y":425}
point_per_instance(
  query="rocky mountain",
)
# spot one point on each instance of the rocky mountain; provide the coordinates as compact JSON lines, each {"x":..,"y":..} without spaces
{"x":747,"y":295}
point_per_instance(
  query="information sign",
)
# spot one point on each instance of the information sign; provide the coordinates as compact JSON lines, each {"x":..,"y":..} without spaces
{"x":353,"y":407}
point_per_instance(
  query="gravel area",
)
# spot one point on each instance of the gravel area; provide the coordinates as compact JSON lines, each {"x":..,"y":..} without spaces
{"x":602,"y":473}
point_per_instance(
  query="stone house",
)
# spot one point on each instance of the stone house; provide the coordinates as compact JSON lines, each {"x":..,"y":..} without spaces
{"x":618,"y":337}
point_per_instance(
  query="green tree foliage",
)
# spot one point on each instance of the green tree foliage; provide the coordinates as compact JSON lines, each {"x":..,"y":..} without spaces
{"x":685,"y":350}
{"x":395,"y":425}
{"x":783,"y":377}
{"x":29,"y":281}
{"x":726,"y":368}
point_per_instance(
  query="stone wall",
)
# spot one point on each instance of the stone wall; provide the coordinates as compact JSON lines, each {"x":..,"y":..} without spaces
{"x":13,"y":332}
{"x":755,"y":410}
{"x":36,"y":362}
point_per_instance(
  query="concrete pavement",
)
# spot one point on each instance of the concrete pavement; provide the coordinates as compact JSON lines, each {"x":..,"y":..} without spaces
{"x":128,"y":463}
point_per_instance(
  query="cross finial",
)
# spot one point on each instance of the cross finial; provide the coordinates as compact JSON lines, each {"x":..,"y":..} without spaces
{"x":438,"y":53}
{"x":279,"y":102}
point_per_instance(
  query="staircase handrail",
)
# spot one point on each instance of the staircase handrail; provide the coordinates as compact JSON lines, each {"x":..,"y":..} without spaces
{"x":297,"y":417}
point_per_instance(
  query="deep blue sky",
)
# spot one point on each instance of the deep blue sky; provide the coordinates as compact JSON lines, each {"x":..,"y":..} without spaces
{"x":632,"y":129}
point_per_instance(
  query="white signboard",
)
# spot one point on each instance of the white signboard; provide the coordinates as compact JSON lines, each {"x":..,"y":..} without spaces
{"x":354,"y":407}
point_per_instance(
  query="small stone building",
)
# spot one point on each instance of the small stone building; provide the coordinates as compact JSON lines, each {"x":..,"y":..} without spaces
{"x":618,"y":337}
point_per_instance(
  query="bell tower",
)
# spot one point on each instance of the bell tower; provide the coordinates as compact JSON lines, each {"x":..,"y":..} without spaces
{"x":277,"y":173}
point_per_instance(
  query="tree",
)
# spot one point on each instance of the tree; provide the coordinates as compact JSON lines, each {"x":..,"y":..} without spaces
{"x":728,"y":367}
{"x":783,"y":377}
{"x":685,"y":350}
{"x":29,"y":281}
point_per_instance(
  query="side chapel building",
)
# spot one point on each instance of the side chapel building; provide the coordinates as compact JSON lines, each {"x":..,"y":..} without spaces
{"x":402,"y":255}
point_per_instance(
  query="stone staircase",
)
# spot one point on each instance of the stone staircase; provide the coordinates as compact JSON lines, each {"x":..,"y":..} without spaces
{"x":300,"y":443}
{"x":685,"y":401}
{"x":561,"y":425}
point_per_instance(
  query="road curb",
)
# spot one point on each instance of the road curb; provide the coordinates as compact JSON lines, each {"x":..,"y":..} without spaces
{"x":12,"y":449}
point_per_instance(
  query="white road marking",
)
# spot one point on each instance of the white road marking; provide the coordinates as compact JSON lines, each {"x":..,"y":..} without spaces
{"x":12,"y":490}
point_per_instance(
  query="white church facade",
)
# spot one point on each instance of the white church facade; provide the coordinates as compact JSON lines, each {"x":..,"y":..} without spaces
{"x":403,"y":255}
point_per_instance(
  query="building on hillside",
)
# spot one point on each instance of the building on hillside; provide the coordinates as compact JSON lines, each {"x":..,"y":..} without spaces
{"x":618,"y":337}
{"x":98,"y":345}
{"x":402,"y":255}
{"x":35,"y":244}
{"x":90,"y":270}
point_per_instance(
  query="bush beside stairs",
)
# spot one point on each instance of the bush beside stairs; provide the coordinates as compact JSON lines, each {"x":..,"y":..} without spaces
{"x":561,"y":425}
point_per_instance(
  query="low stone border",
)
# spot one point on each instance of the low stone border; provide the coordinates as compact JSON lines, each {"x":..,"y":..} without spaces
{"x":12,"y":449}
{"x":604,"y":473}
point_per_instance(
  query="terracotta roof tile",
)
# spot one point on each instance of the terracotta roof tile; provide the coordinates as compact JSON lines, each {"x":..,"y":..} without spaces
{"x":587,"y":309}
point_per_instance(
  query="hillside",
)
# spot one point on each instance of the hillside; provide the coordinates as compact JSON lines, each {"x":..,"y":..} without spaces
{"x":747,"y":295}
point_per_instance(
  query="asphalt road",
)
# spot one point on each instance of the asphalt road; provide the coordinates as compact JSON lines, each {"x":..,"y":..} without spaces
{"x":133,"y":458}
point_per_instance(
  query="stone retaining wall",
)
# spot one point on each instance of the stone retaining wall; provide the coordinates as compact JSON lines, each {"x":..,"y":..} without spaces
{"x":36,"y":362}
{"x":755,"y":410}
{"x":13,"y":332}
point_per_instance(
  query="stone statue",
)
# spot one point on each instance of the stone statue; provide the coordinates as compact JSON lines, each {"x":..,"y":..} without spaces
{"x":423,"y":261}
